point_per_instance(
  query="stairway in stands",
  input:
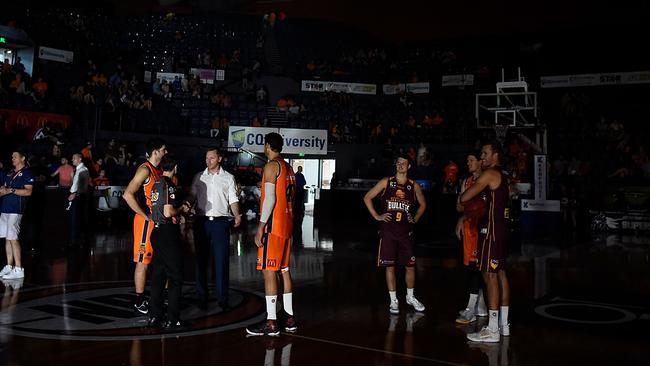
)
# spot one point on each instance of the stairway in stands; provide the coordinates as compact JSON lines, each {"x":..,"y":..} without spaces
{"x":272,"y":53}
{"x":276,"y":118}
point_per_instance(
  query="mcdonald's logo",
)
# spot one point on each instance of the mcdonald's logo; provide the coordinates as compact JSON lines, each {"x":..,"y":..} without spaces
{"x":42,"y":120}
{"x":22,"y":120}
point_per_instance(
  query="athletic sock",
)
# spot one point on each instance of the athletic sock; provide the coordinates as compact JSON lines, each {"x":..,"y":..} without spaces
{"x":271,"y":302}
{"x":493,"y":323}
{"x":393,"y":295}
{"x":287,"y":302}
{"x":481,"y":300}
{"x":472,"y":301}
{"x":409,"y":293}
{"x":504,"y":315}
{"x":139,"y":298}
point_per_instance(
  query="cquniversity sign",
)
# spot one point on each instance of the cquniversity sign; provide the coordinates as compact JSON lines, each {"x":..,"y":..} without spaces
{"x":296,"y":141}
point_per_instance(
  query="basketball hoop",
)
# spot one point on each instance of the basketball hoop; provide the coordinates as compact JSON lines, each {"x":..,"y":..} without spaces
{"x":501,"y":132}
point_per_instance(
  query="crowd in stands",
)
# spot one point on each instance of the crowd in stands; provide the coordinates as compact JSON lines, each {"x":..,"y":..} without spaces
{"x":114,"y":83}
{"x":18,"y":89}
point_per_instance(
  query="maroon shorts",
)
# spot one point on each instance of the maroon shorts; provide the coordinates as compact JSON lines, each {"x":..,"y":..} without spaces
{"x":395,"y":248}
{"x":492,"y":250}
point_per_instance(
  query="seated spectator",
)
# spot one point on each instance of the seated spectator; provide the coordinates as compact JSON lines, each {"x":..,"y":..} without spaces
{"x":40,"y":87}
{"x":111,"y":151}
{"x":99,"y":165}
{"x":18,"y":85}
{"x":282,"y":104}
{"x":438,"y":120}
{"x":101,"y":179}
{"x":176,"y":84}
{"x":261,"y":95}
{"x":256,"y":122}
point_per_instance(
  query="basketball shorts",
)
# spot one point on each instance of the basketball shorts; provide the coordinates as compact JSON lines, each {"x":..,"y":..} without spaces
{"x":395,"y":248}
{"x":274,"y":253}
{"x":142,"y":250}
{"x":470,"y":238}
{"x":492,"y":250}
{"x":10,"y":225}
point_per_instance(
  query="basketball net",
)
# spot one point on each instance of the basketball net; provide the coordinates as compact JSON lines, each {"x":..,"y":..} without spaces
{"x":501,"y":132}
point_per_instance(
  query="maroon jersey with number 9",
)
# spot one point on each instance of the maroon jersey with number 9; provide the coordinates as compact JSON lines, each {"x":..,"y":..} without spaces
{"x":398,"y":200}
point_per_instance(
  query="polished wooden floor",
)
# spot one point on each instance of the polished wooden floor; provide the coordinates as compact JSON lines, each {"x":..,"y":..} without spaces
{"x":574,"y":302}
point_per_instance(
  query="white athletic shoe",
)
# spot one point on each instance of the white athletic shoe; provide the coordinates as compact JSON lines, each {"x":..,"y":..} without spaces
{"x":486,"y":335}
{"x":415,"y":303}
{"x":5,"y":271}
{"x":505,"y":330}
{"x":466,"y":316}
{"x":16,"y":273}
{"x":394,"y":307}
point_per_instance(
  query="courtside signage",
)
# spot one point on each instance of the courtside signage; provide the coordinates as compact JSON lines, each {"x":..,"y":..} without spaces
{"x":296,"y":141}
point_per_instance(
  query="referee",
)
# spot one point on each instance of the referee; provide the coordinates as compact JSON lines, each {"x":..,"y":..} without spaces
{"x":167,"y":245}
{"x":217,"y":205}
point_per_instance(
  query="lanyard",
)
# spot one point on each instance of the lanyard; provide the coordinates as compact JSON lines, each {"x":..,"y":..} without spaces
{"x":14,"y":176}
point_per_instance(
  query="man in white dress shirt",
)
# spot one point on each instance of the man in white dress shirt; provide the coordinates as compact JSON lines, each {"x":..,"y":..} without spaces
{"x":78,"y":201}
{"x":216,"y":204}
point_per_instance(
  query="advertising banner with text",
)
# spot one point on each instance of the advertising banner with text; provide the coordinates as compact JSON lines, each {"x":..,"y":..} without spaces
{"x":207,"y":76}
{"x":338,"y":87}
{"x":54,"y":54}
{"x":296,"y":141}
{"x":458,"y":80}
{"x":30,"y":122}
{"x":614,"y":78}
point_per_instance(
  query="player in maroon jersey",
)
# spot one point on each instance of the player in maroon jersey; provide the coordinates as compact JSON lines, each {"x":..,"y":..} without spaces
{"x":399,"y":196}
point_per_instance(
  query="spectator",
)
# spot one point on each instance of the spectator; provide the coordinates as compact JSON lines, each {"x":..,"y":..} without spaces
{"x":98,"y":165}
{"x":101,"y":179}
{"x":65,"y":173}
{"x":40,"y":87}
{"x":261,"y":95}
{"x":18,"y":85}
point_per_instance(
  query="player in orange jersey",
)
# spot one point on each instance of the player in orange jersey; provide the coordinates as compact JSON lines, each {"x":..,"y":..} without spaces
{"x":138,"y":196}
{"x":467,"y":232}
{"x":273,"y":237}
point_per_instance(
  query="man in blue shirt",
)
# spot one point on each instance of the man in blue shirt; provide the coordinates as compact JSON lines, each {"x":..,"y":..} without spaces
{"x":15,"y":187}
{"x":301,"y":182}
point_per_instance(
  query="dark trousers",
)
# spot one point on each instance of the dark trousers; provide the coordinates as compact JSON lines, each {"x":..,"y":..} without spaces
{"x":78,"y":218}
{"x":216,"y":234}
{"x":167,"y":265}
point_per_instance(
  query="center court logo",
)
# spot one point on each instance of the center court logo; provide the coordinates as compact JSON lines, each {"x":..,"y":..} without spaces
{"x":104,"y":312}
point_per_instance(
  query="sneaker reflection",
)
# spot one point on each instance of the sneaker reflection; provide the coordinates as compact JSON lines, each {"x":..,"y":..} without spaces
{"x":9,"y":301}
{"x":498,"y":354}
{"x":283,"y":345}
{"x":400,"y":330}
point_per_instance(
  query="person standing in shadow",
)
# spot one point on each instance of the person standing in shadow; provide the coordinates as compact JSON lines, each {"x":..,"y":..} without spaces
{"x":299,"y":203}
{"x":214,"y":193}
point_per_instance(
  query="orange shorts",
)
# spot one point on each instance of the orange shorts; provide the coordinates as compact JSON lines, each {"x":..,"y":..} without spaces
{"x":470,"y":239}
{"x":274,"y":253}
{"x":142,"y":250}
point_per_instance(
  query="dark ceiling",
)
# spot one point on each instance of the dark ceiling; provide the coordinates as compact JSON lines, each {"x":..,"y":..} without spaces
{"x":411,"y":20}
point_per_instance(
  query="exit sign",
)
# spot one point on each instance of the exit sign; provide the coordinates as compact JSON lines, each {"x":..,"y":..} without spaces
{"x":3,"y":40}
